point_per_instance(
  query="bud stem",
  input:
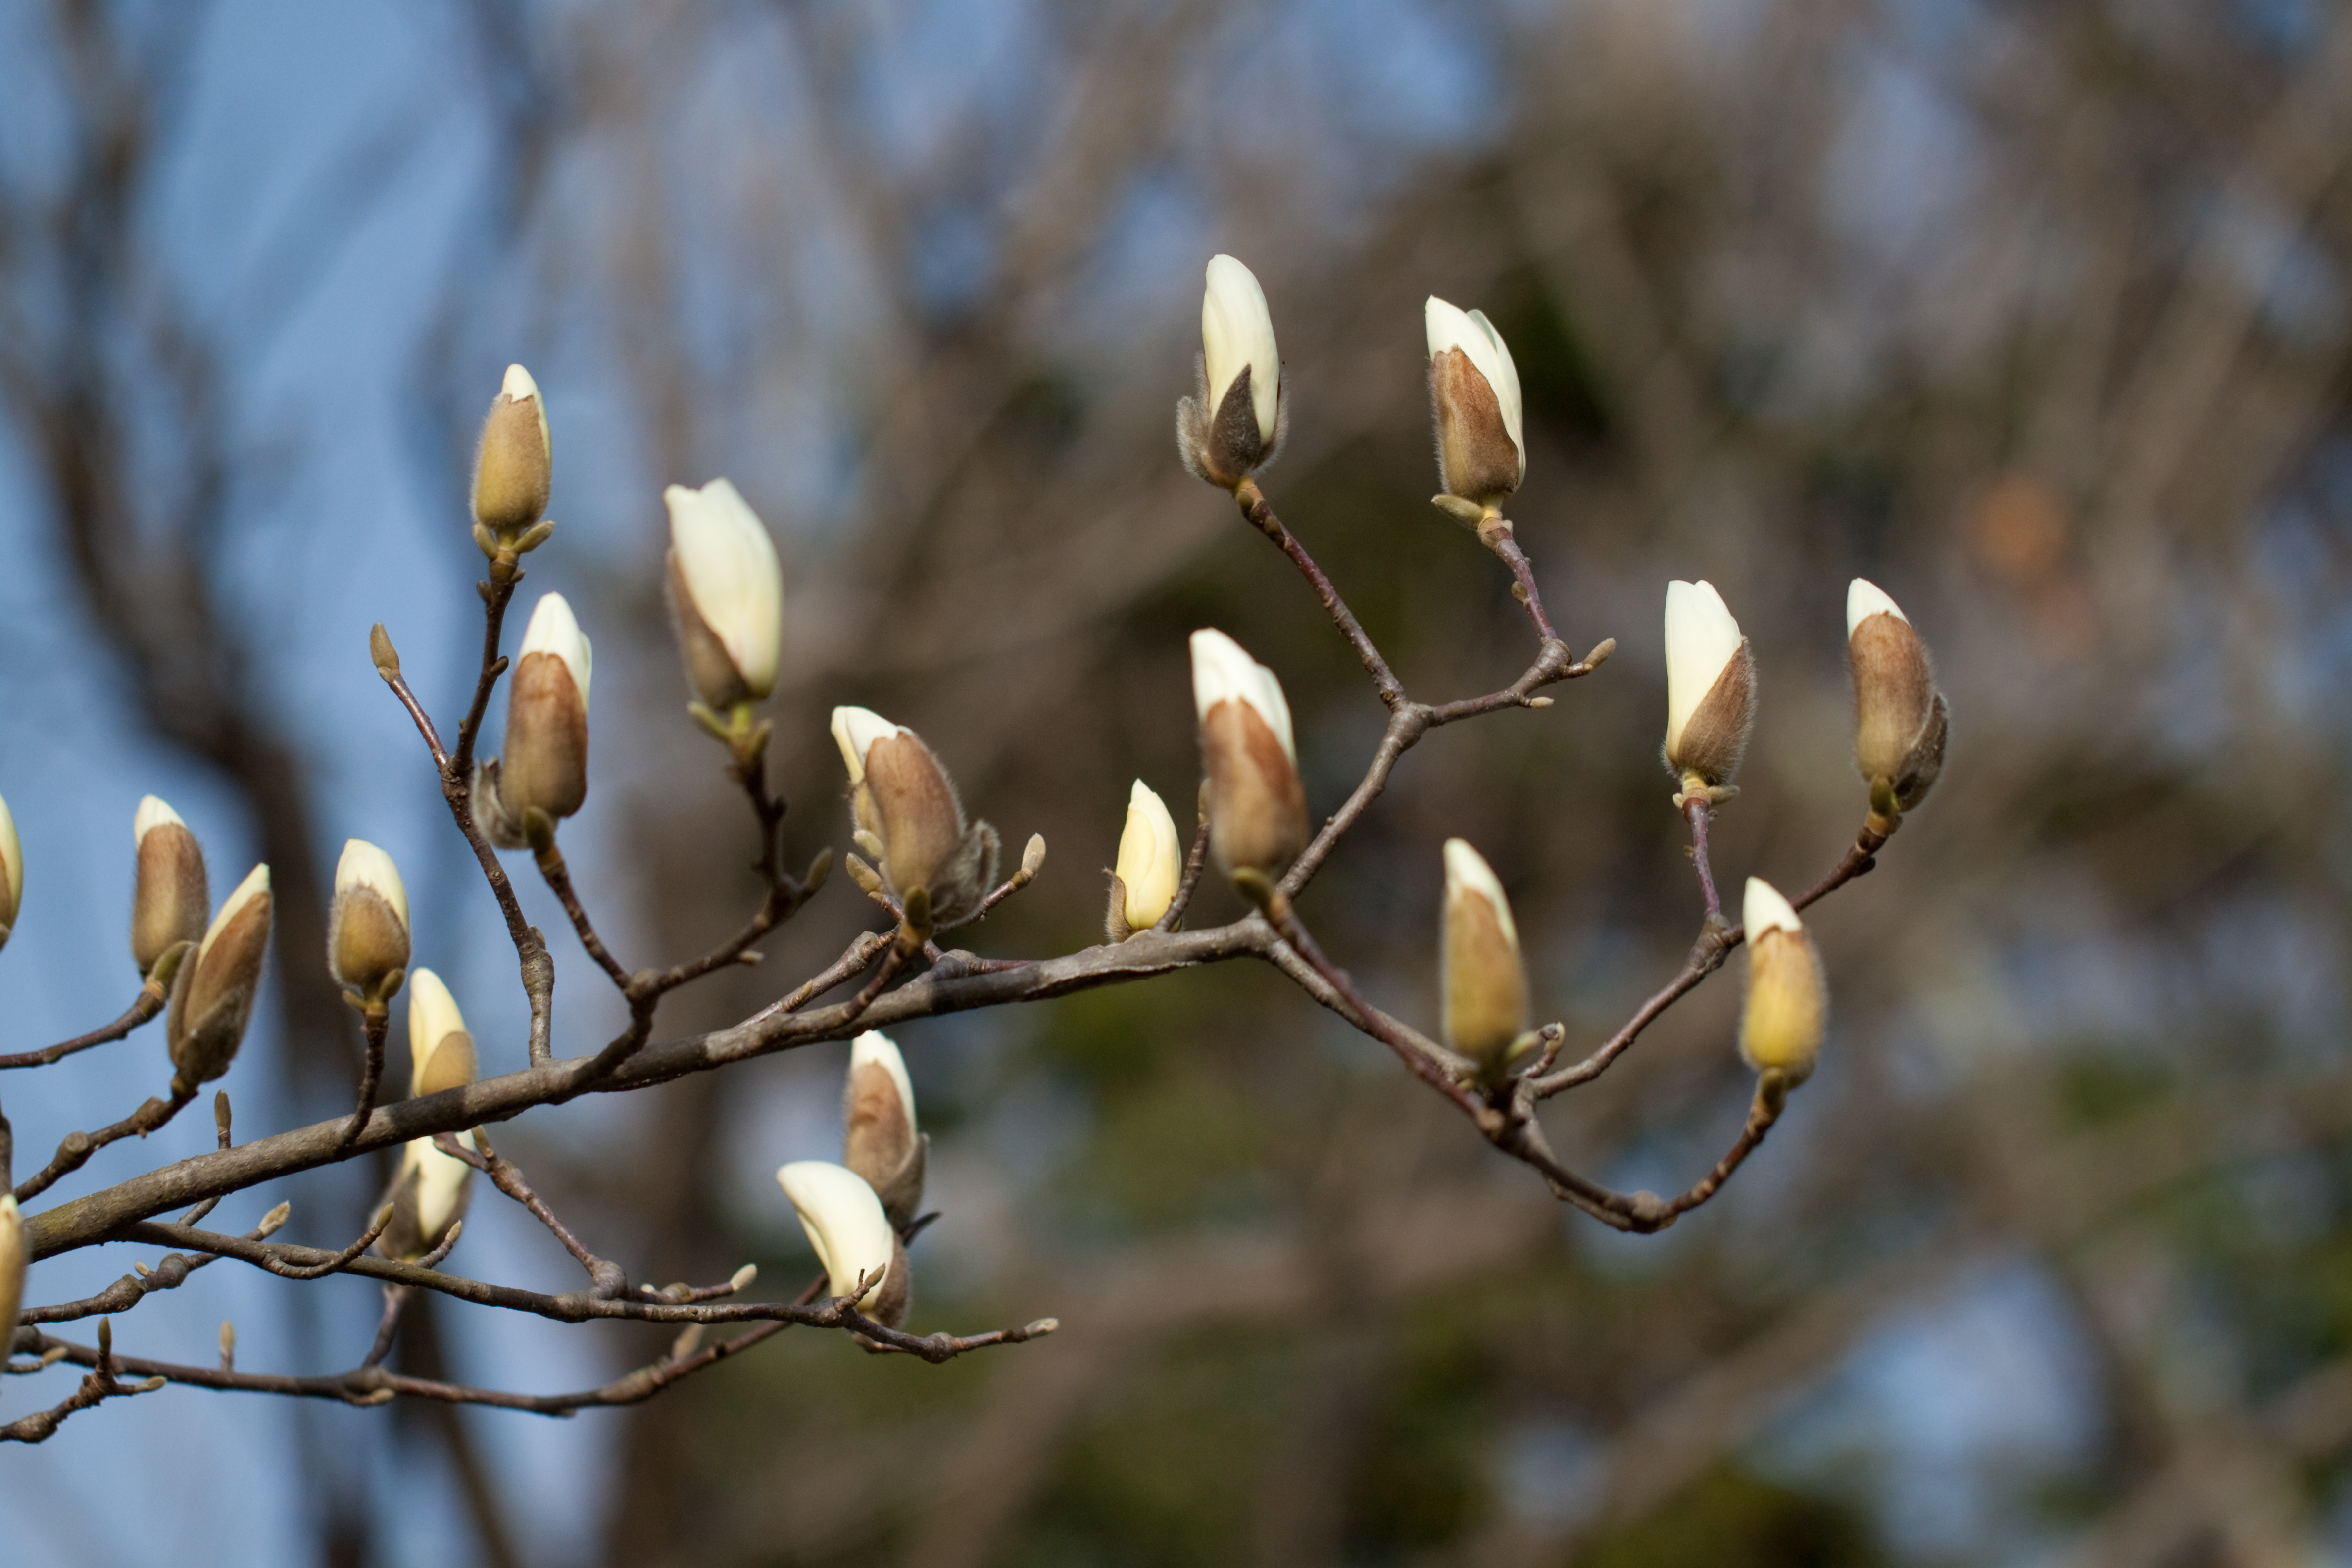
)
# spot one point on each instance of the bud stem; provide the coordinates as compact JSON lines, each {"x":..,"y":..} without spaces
{"x":1697,"y":808}
{"x":375,"y":1018}
{"x":1255,"y":506}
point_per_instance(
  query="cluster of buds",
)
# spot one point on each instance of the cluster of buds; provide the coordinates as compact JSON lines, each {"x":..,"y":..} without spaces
{"x":911,"y":820}
{"x":217,"y":985}
{"x":542,"y":775}
{"x":514,"y":468}
{"x":367,"y":927}
{"x":1256,"y":804}
{"x":1150,"y":863}
{"x":428,"y":1196}
{"x":856,"y":1214}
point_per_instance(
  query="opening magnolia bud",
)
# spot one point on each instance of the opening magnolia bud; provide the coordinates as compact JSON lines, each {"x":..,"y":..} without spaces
{"x":1257,"y":806}
{"x":169,"y":899}
{"x":1232,"y":426}
{"x":514,"y":462}
{"x":1150,"y":863}
{"x":367,"y":931}
{"x":213,"y":997}
{"x":1900,"y":718}
{"x":545,"y":765}
{"x":1484,"y":979}
{"x":1474,"y":402}
{"x":1710,"y":686}
{"x":1788,"y":1000}
{"x":880,"y":1141}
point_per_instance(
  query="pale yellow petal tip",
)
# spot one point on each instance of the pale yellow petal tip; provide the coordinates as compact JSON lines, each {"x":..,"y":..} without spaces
{"x":854,"y":730}
{"x":1863,"y":599}
{"x":365,"y":865}
{"x":1763,"y":909}
{"x":1466,"y":870}
{"x":1222,"y":670}
{"x":517,"y":384}
{"x":433,"y":1017}
{"x":554,"y":629}
{"x":153,"y":814}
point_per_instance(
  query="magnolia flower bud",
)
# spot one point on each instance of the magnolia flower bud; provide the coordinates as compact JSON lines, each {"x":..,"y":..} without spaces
{"x":937,"y":867}
{"x":513,"y":465}
{"x":170,"y":899}
{"x":1150,"y":863}
{"x":1257,"y":807}
{"x":726,"y":594}
{"x":1787,"y":1002}
{"x":429,"y":1194}
{"x":367,"y":929}
{"x":1710,"y":687}
{"x":1485,"y":981}
{"x":11,"y":873}
{"x":852,"y":1235}
{"x":1473,"y":394}
{"x":1899,"y":716}
{"x":545,"y":767}
{"x":213,"y":997}
{"x":1235,"y":423}
{"x":12,"y":1270}
{"x":879,"y":1139}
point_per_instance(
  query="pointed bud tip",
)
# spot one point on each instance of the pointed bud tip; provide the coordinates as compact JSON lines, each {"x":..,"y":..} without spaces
{"x":1863,"y":599}
{"x":517,"y":384}
{"x":1763,"y":909}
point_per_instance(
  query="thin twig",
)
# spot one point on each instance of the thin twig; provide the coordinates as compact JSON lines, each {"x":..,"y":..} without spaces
{"x":75,"y":1150}
{"x":1260,"y":513}
{"x":149,"y":1003}
{"x":1195,"y":861}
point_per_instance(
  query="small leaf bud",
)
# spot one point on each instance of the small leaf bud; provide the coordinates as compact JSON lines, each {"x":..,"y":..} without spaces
{"x":1234,"y":422}
{"x":1485,"y":981}
{"x":1710,"y":687}
{"x":169,"y":899}
{"x":1257,"y":807}
{"x":1473,"y":394}
{"x":367,"y":926}
{"x":211,"y":999}
{"x":545,"y":765}
{"x":1787,"y":1001}
{"x":852,"y":1235}
{"x":1151,"y":863}
{"x":1900,"y":718}
{"x":880,"y":1141}
{"x":726,"y":594}
{"x":514,"y":462}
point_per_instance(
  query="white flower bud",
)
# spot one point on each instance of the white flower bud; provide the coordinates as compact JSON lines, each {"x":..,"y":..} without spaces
{"x":367,"y":929}
{"x":1900,"y":718}
{"x":545,"y":765}
{"x":11,"y":873}
{"x":12,"y":1270}
{"x":1485,"y":981}
{"x":1787,"y":1002}
{"x":880,"y":1139}
{"x":1482,"y":448}
{"x":171,"y":901}
{"x":854,"y":730}
{"x":1235,"y":425}
{"x":902,"y":794}
{"x":1151,"y":863}
{"x":513,"y":464}
{"x":727,"y":593}
{"x":852,"y":1235}
{"x":1710,"y":685}
{"x":429,"y":1195}
{"x":1257,"y":807}
{"x":212,"y":996}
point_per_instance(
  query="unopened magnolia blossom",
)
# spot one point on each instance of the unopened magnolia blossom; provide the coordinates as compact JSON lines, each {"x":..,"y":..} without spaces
{"x":1899,"y":716}
{"x":1235,"y":425}
{"x":430,"y":1192}
{"x":1710,"y":686}
{"x":1474,"y":388}
{"x":11,"y":873}
{"x":544,"y":767}
{"x":853,"y":1236}
{"x":212,"y":1000}
{"x":367,"y":933}
{"x":1484,"y":979}
{"x":12,"y":1269}
{"x":1787,"y":1002}
{"x":1151,"y":863}
{"x":514,"y":462}
{"x":726,"y":594}
{"x":171,"y":901}
{"x":903,"y":801}
{"x":1257,"y":807}
{"x":880,"y":1141}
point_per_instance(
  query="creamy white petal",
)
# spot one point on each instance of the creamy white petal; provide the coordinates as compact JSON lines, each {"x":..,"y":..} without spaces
{"x":1237,"y":331}
{"x":844,"y":1224}
{"x":732,"y":574}
{"x":518,"y":383}
{"x":433,"y":1017}
{"x":1150,"y":857}
{"x":255,"y":885}
{"x":1450,"y":327}
{"x":1221,"y":669}
{"x":1863,"y":599}
{"x":1763,"y":909}
{"x":854,"y":730}
{"x":440,"y":1182}
{"x":1701,"y":639}
{"x":1466,"y":869}
{"x":878,"y":1047}
{"x":153,"y":814}
{"x":365,"y":865}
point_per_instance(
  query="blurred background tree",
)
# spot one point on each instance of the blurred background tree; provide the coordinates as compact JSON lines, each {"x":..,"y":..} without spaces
{"x":2035,"y":314}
